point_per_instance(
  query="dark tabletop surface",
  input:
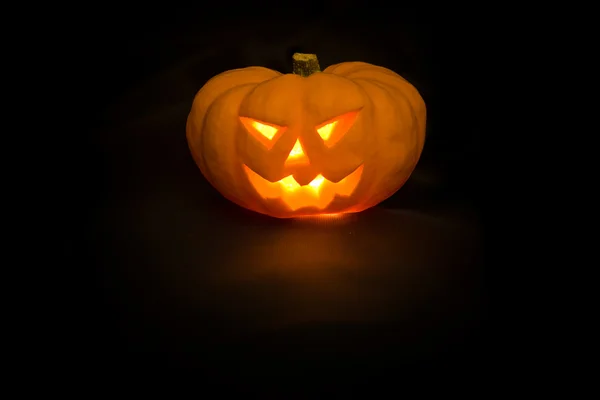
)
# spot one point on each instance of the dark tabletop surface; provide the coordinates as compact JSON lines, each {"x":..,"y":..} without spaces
{"x":174,"y":275}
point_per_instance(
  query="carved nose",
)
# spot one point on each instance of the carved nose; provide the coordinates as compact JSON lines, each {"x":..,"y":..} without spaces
{"x":297,"y":155}
{"x":305,"y":176}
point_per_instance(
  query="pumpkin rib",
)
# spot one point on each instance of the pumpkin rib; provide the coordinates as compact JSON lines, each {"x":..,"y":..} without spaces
{"x":400,"y":94}
{"x":364,"y":70}
{"x":392,"y":95}
{"x":412,"y":96}
{"x":365,"y":185}
{"x":217,"y":85}
{"x":346,"y":70}
{"x":212,"y":89}
{"x":230,"y":73}
{"x":418,"y":125}
{"x":223,"y":98}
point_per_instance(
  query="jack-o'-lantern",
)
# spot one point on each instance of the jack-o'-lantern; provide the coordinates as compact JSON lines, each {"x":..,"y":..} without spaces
{"x":308,"y":143}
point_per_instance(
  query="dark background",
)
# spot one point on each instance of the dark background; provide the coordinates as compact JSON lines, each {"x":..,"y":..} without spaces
{"x":169,"y":274}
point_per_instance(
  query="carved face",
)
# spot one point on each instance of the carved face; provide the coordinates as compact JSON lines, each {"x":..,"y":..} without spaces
{"x":288,"y":146}
{"x":309,"y":180}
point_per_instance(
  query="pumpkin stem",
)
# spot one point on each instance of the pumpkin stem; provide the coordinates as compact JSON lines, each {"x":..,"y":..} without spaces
{"x":305,"y":64}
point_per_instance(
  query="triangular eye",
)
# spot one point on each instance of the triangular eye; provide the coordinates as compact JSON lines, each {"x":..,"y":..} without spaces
{"x":333,"y":130}
{"x":326,"y":130}
{"x":264,"y":132}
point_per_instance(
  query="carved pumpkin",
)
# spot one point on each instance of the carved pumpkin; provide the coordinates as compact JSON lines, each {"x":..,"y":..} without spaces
{"x":307,"y":143}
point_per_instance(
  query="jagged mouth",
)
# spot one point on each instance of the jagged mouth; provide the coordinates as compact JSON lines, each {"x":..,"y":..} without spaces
{"x":319,"y":193}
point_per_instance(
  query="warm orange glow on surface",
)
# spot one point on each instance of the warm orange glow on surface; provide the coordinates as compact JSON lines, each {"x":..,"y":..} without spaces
{"x":297,"y":155}
{"x":318,"y":194}
{"x":325,"y":219}
{"x":262,"y":131}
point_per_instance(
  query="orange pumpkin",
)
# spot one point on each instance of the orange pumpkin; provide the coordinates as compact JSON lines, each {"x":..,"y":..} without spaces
{"x":288,"y":145}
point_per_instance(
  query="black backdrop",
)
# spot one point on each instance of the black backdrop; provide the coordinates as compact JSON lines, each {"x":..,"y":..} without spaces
{"x":172,"y":275}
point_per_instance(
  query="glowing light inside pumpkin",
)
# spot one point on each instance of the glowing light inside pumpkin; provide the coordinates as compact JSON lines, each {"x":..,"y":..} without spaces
{"x":265,"y":130}
{"x":297,"y":150}
{"x":297,"y":155}
{"x":289,"y":184}
{"x":319,"y":193}
{"x":333,"y":130}
{"x":325,"y":131}
{"x":317,"y":182}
